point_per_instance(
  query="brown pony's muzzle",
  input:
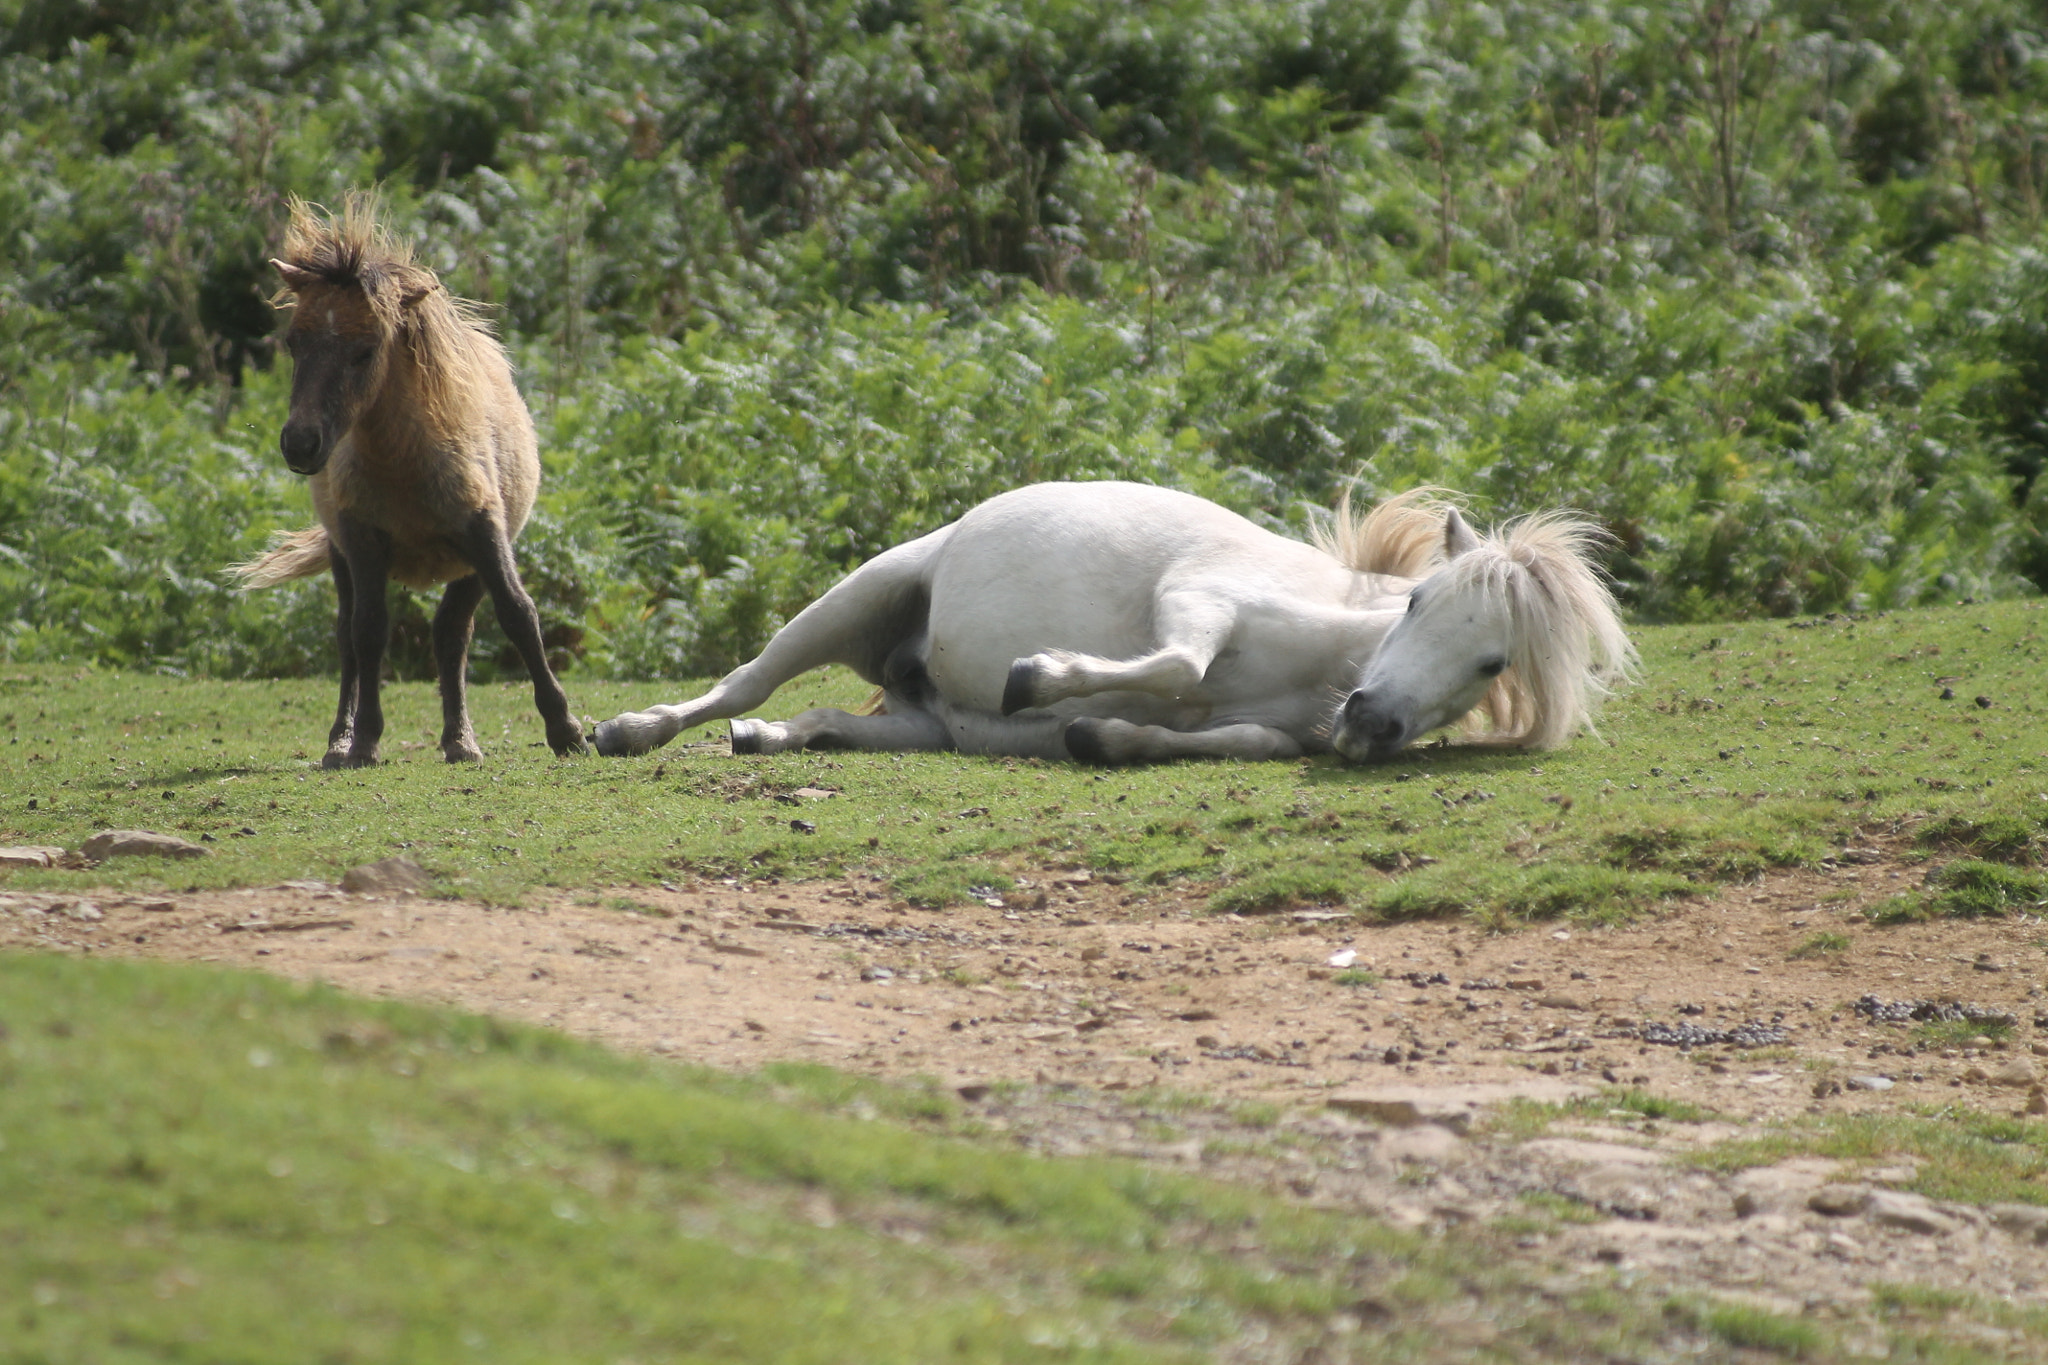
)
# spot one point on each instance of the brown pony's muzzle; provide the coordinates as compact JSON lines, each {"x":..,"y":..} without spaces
{"x":304,"y":446}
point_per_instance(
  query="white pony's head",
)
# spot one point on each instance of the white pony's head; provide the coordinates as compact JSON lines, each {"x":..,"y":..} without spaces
{"x":1516,"y":636}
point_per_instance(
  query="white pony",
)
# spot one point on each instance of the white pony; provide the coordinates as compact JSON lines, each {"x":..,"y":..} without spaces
{"x":1120,"y":623}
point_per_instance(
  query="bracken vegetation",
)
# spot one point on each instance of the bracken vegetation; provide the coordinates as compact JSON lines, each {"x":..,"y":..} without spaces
{"x":1754,"y":284}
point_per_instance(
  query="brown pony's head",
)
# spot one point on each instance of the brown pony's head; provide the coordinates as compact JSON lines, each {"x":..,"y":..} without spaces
{"x":352,"y":288}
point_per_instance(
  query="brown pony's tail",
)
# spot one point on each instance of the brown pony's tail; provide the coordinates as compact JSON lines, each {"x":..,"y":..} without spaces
{"x":297,"y":555}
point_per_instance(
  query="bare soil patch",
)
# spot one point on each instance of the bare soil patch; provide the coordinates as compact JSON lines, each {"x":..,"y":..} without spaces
{"x":1084,"y":1016}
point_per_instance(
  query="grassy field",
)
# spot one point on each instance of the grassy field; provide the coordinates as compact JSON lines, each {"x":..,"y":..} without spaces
{"x":1744,"y":747}
{"x":184,"y":1150}
{"x":205,"y":1165}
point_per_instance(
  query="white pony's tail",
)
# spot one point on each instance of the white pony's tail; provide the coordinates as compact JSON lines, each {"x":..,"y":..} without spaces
{"x":297,"y":554}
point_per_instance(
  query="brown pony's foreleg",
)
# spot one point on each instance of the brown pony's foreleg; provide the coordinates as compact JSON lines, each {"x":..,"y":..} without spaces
{"x":452,"y":622}
{"x":339,"y":736}
{"x":364,"y":629}
{"x":489,"y":552}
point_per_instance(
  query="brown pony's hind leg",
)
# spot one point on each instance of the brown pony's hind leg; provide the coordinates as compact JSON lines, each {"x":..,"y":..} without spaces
{"x":365,"y":628}
{"x":490,"y":552}
{"x":343,"y":731}
{"x":452,"y":623}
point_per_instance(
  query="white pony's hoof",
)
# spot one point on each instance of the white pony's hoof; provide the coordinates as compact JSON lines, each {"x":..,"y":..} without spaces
{"x":614,"y":738}
{"x":749,"y":736}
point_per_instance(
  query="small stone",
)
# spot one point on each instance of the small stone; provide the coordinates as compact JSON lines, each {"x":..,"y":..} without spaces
{"x":1747,"y":1204}
{"x":972,"y":1092}
{"x":876,"y":974}
{"x":1839,"y":1201}
{"x":1561,"y":1002}
{"x":1868,"y":1082}
{"x":1976,"y":1074}
{"x":30,"y":855}
{"x":2037,"y":1103}
{"x":1908,"y":1212}
{"x":2028,"y":1222}
{"x":803,"y":826}
{"x":2018,"y":1073}
{"x":138,"y":843}
{"x":388,"y":877}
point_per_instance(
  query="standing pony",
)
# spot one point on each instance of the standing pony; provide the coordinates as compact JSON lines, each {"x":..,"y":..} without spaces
{"x":423,"y":468}
{"x":1117,"y":623}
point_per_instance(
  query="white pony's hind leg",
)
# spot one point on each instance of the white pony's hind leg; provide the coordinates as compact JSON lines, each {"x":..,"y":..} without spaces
{"x":825,"y":728}
{"x":1193,"y":628}
{"x":1094,"y":740}
{"x":858,"y":622}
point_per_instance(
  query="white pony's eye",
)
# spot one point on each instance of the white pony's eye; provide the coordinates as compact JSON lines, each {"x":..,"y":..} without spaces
{"x":1414,"y":600}
{"x":1493,"y":668}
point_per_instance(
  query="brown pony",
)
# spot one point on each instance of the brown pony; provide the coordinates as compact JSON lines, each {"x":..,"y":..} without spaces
{"x":423,"y":467}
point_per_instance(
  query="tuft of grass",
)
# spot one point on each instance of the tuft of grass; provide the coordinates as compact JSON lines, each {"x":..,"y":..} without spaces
{"x":1523,"y":1119}
{"x":1959,"y":1032}
{"x":1355,"y":976}
{"x":1823,"y":944}
{"x":1968,"y":888}
{"x":1961,"y":1154}
{"x":1998,"y":837}
{"x":1755,"y":1329}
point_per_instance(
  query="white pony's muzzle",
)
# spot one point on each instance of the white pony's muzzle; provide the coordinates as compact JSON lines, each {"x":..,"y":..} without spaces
{"x":1371,"y":728}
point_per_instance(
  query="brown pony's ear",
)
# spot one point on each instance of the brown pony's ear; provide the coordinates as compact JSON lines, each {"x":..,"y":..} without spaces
{"x":417,"y":290}
{"x":295,"y":277}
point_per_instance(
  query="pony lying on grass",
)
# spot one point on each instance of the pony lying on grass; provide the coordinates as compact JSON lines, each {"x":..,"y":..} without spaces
{"x":1119,"y":623}
{"x":423,"y":466}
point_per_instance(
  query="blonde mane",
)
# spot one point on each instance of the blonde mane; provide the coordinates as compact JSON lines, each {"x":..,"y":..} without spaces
{"x":1568,"y":650}
{"x":1403,"y":536}
{"x":450,"y":342}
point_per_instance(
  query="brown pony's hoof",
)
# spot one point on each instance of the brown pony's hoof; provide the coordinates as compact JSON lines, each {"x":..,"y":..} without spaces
{"x":349,"y":758}
{"x":567,"y":739}
{"x":462,"y":751}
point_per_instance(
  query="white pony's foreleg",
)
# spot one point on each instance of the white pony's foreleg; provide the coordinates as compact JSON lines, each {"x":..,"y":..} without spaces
{"x":909,"y":731}
{"x":1094,"y":740}
{"x":1193,"y":628}
{"x":863,"y":617}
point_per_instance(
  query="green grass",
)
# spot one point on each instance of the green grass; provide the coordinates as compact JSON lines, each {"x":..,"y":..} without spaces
{"x":1967,"y":888}
{"x":1826,"y":943}
{"x":1961,"y":1154}
{"x":203,"y":1164}
{"x":1959,"y":1032}
{"x":1749,"y":747}
{"x":189,"y":1152}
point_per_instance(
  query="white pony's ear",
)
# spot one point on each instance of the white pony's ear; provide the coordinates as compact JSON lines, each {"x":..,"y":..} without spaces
{"x":1458,"y":537}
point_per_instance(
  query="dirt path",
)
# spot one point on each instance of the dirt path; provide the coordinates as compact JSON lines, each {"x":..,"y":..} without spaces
{"x":1112,"y":1005}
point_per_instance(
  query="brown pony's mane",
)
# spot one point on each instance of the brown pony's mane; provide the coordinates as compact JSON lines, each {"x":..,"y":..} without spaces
{"x":448,"y":338}
{"x":1403,"y":536}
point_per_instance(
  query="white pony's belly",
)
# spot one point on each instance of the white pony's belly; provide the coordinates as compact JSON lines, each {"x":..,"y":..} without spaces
{"x":1056,"y":567}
